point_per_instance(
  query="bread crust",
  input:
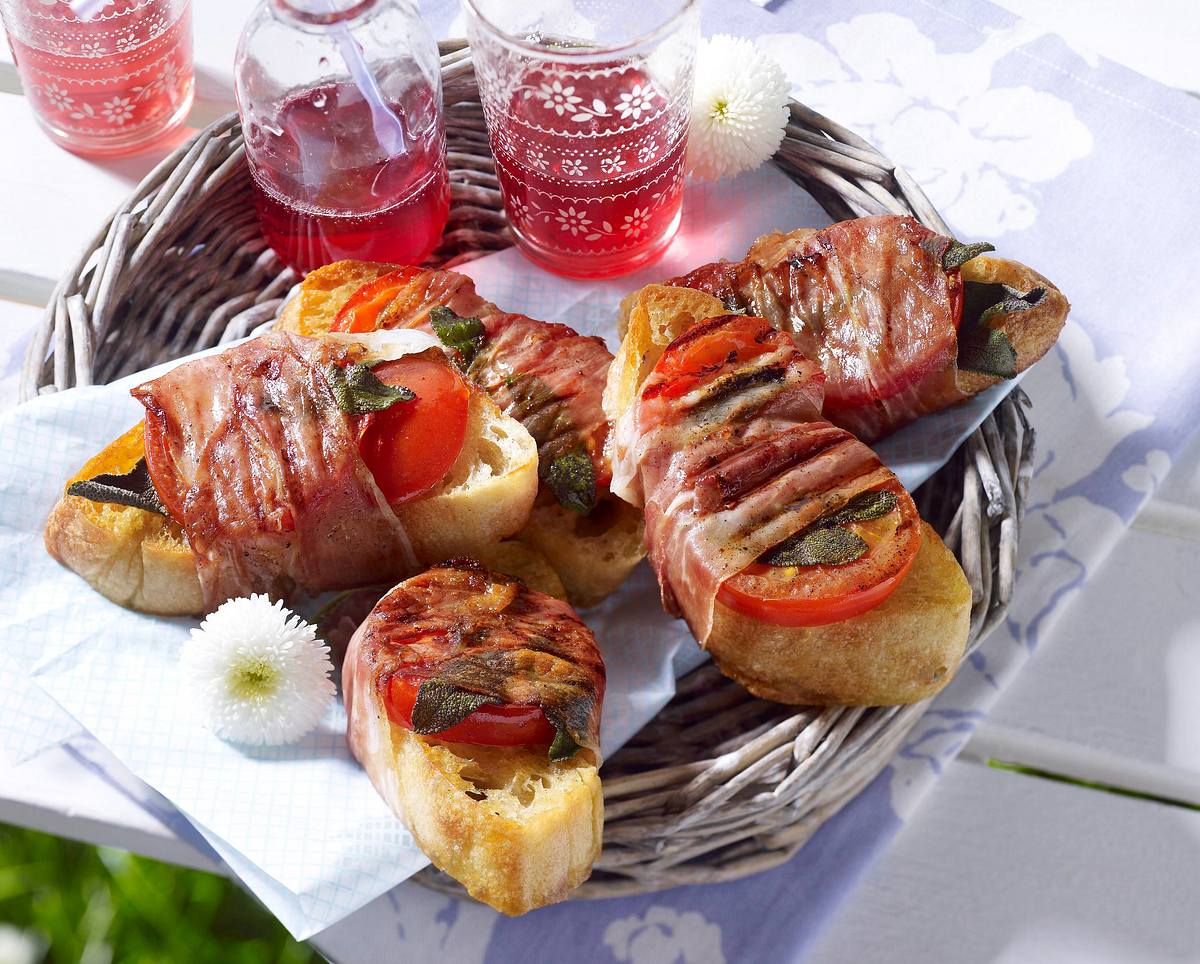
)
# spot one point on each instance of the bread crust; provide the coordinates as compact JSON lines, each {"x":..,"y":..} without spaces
{"x":1032,"y":332}
{"x":902,"y":651}
{"x":141,"y":560}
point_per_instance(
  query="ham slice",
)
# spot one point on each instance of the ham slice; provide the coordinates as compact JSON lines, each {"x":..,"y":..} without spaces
{"x":870,"y":301}
{"x":250,"y":452}
{"x":727,"y":475}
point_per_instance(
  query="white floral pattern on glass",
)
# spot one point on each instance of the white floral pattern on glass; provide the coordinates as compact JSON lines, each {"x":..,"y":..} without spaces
{"x":92,"y":49}
{"x":634,"y":101}
{"x":554,"y":96}
{"x":612,"y":165}
{"x":126,"y":42}
{"x":536,"y":158}
{"x":58,"y":98}
{"x":636,"y":223}
{"x":572,"y":220}
{"x":118,"y":110}
{"x":573,"y":167}
{"x":647,"y":152}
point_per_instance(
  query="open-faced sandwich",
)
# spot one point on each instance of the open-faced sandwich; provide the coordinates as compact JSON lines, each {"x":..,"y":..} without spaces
{"x":796,"y":557}
{"x":474,"y":705}
{"x":903,"y":321}
{"x":545,"y":375}
{"x":290,"y":463}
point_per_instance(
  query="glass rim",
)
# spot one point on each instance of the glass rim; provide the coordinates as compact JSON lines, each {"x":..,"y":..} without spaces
{"x":583,"y":53}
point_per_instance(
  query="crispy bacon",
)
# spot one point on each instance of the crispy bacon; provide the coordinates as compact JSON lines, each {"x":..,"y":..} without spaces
{"x":870,"y":301}
{"x":544,"y":374}
{"x":726,"y":480}
{"x":259,"y":466}
{"x":466,"y":627}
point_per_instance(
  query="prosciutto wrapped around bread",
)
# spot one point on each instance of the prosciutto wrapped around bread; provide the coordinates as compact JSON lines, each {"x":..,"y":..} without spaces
{"x":903,"y":321}
{"x":290,"y":464}
{"x":794,"y":555}
{"x":544,"y":374}
{"x":474,"y":705}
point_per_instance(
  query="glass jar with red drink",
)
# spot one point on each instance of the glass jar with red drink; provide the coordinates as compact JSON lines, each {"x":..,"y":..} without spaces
{"x":341,"y":107}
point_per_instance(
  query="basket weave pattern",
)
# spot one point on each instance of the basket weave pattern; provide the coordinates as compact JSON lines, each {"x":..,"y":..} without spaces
{"x":720,"y":784}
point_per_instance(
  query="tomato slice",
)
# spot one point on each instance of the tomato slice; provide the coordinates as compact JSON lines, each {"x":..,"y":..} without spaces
{"x":410,"y":446}
{"x":819,"y":595}
{"x":709,"y":347}
{"x":361,"y":312}
{"x":508,"y":724}
{"x":158,"y":465}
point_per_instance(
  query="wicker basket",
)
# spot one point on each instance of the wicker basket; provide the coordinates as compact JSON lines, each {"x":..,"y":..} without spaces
{"x":720,"y":784}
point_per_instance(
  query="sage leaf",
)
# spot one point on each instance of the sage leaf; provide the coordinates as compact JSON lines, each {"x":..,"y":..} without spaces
{"x":988,"y":351}
{"x":564,"y":746}
{"x":463,"y":336}
{"x":1015,"y":303}
{"x":865,"y":506}
{"x":439,"y":706}
{"x":572,"y":479}
{"x":957,"y":254}
{"x":358,"y":390}
{"x":134,"y":488}
{"x":820,"y":546}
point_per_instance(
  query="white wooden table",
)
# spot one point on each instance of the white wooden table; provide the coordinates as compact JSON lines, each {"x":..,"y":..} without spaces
{"x":997,"y":865}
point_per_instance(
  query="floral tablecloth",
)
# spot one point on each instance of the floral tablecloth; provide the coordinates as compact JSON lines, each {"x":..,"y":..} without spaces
{"x":1066,"y":162}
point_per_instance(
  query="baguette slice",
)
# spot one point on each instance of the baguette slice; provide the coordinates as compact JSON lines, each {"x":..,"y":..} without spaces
{"x":592,"y":554}
{"x":902,"y":651}
{"x":517,"y":828}
{"x":141,"y":560}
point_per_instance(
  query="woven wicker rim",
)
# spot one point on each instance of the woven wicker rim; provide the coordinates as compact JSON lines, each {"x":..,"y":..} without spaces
{"x":720,"y":784}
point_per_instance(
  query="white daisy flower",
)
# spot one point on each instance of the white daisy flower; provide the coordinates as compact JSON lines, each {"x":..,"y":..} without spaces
{"x":262,"y":676}
{"x":739,"y":109}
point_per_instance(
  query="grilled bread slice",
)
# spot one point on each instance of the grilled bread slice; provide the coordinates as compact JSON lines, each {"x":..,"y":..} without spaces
{"x":902,"y":651}
{"x":141,"y":560}
{"x":519,"y":826}
{"x":592,"y":554}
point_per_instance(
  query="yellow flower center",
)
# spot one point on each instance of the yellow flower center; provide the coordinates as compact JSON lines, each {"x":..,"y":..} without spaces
{"x":253,"y":679}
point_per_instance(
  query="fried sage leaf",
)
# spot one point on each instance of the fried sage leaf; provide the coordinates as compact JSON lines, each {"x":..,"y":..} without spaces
{"x":825,"y":542}
{"x":982,"y":348}
{"x":463,"y":336}
{"x":957,"y":254}
{"x":564,"y":746}
{"x":358,"y":390}
{"x":572,"y":479}
{"x":440,"y":705}
{"x":824,"y":546}
{"x":134,"y":488}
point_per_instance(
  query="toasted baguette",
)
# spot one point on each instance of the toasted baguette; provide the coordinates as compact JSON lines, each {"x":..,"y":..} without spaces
{"x":902,"y":651}
{"x":141,"y":560}
{"x":517,"y":830}
{"x":592,"y":555}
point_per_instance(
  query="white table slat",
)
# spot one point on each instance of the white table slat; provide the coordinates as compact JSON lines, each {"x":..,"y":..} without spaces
{"x":1010,"y":869}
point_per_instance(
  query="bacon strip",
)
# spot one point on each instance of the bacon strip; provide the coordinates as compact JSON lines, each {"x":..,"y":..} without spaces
{"x":264,"y":472}
{"x":466,"y":626}
{"x":869,"y":300}
{"x":725,"y":482}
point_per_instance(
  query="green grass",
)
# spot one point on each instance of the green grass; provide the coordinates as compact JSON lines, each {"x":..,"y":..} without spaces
{"x":96,"y":904}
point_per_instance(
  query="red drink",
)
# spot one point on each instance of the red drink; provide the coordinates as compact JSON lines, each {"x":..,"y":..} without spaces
{"x":591,"y":167}
{"x":109,"y":86}
{"x":326,"y":188}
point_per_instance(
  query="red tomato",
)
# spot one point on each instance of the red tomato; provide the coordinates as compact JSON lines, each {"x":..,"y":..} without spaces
{"x":709,"y":347}
{"x":410,"y":446}
{"x":361,"y":311}
{"x":819,"y":595}
{"x":158,"y":465}
{"x":507,"y":724}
